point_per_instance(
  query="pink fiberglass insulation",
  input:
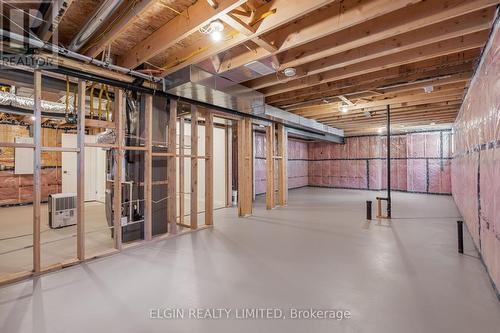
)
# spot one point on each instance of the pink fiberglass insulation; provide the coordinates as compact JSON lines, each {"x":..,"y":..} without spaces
{"x":18,"y":189}
{"x":475,"y":170}
{"x":360,"y":163}
{"x":298,"y":155}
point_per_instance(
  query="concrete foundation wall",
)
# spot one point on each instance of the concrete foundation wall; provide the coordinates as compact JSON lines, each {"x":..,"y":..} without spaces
{"x":476,"y":162}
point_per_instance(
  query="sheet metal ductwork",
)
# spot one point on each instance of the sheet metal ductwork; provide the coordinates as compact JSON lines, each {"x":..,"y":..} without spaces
{"x":197,"y":84}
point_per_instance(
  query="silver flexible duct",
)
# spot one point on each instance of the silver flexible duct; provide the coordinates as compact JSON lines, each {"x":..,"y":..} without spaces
{"x":93,"y":24}
{"x":26,"y":103}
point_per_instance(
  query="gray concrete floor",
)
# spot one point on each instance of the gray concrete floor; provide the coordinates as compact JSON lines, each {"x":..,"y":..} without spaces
{"x":319,"y":252}
{"x":58,"y":245}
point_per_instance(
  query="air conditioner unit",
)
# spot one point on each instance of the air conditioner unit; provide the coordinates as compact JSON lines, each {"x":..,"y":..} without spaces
{"x":62,"y":210}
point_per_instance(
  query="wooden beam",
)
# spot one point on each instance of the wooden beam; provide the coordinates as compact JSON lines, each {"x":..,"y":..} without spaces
{"x":148,"y":167}
{"x":118,"y":113}
{"x":175,"y":30}
{"x":209,"y":168}
{"x":337,"y":16}
{"x":128,"y":15}
{"x":282,"y":166}
{"x":417,"y":38}
{"x":415,"y":99}
{"x":182,"y":165}
{"x":37,"y":168}
{"x":380,"y":113}
{"x":441,"y":66}
{"x":454,"y":45}
{"x":80,"y":172}
{"x":264,"y":19}
{"x":245,"y":161}
{"x":402,"y":118}
{"x":172,"y":193}
{"x":242,"y":27}
{"x":52,"y":18}
{"x":401,"y":115}
{"x":270,"y":195}
{"x":406,"y":19}
{"x":318,"y":109}
{"x":194,"y":168}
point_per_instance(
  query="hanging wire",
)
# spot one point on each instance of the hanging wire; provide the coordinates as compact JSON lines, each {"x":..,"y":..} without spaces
{"x":108,"y":103}
{"x":67,"y":95}
{"x":99,"y":105}
{"x":92,"y":86}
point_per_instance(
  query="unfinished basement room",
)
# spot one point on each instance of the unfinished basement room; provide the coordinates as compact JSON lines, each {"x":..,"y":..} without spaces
{"x":250,"y":166}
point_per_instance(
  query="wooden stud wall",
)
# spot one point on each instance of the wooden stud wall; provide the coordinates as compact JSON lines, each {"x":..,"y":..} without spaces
{"x":270,"y":142}
{"x":80,"y":206}
{"x":117,"y":188}
{"x":181,"y":170}
{"x":148,"y":168}
{"x":209,"y":170}
{"x":245,"y":167}
{"x":172,"y":136}
{"x":37,"y":168}
{"x":282,"y":165}
{"x":194,"y":168}
{"x":244,"y":183}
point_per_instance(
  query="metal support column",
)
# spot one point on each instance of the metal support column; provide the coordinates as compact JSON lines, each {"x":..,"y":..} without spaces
{"x":388,"y":162}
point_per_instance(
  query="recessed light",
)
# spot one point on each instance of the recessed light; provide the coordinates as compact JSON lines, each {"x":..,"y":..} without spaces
{"x":33,"y":118}
{"x":344,"y":109}
{"x":380,"y":130}
{"x":289,"y":72}
{"x":433,"y":123}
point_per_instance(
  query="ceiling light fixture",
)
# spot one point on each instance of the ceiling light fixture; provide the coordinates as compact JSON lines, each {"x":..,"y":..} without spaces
{"x":433,"y":123}
{"x":289,"y":72}
{"x":214,"y":29}
{"x":33,"y":118}
{"x":428,"y":89}
{"x":380,"y":130}
{"x":344,"y":109}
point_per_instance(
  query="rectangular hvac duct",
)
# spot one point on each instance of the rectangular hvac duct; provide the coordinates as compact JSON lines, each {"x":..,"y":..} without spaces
{"x":195,"y":83}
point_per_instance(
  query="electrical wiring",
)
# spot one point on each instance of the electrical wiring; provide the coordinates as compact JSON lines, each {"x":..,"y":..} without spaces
{"x":99,"y":104}
{"x":108,"y":103}
{"x":92,"y":100}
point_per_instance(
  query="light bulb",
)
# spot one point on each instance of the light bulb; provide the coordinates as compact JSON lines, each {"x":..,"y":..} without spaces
{"x":216,"y":35}
{"x":344,"y":109}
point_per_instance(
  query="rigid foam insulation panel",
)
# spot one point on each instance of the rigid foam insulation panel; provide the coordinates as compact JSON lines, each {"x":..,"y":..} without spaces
{"x":475,"y":166}
{"x":297,"y":163}
{"x":420,"y":162}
